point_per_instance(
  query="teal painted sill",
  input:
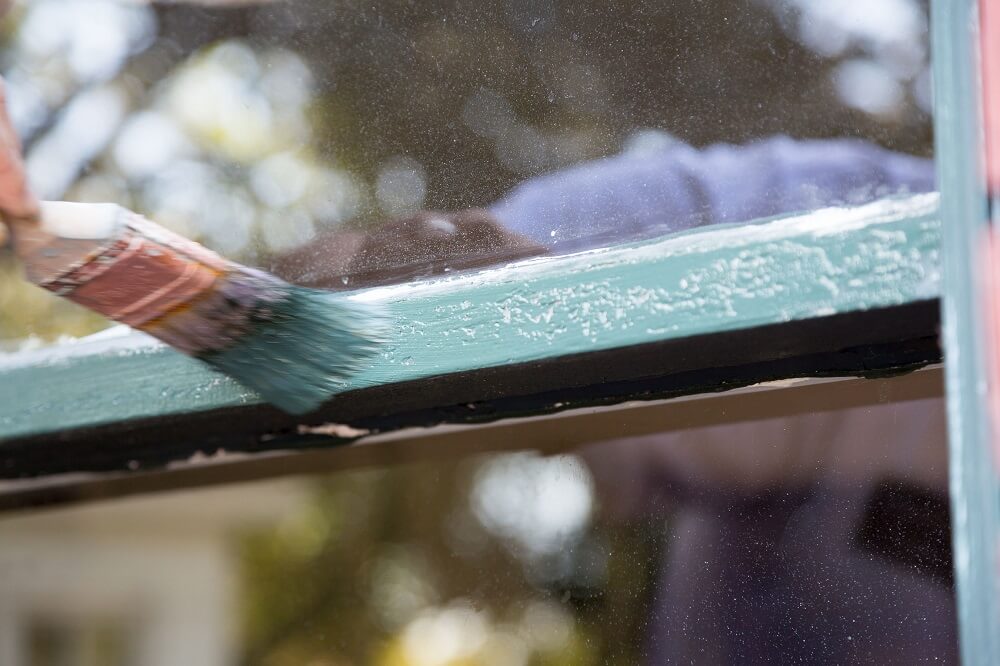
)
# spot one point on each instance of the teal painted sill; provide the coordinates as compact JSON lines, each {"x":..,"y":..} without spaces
{"x":686,"y":285}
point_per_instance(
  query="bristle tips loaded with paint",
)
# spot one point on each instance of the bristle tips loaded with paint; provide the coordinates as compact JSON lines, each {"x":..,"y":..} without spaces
{"x":304,"y":349}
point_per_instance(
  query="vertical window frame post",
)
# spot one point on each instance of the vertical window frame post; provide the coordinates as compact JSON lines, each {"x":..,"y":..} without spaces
{"x":975,"y":480}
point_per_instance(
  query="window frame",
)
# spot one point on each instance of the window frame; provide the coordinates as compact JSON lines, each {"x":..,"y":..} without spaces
{"x":130,"y":411}
{"x":833,"y":292}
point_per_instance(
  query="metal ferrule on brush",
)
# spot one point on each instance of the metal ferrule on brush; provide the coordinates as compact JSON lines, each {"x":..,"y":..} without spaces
{"x":222,"y":315}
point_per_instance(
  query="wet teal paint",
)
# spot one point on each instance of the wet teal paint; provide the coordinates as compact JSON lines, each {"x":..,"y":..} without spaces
{"x":720,"y":279}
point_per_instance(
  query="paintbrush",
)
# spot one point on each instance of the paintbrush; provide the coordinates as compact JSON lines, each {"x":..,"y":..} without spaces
{"x":294,"y":346}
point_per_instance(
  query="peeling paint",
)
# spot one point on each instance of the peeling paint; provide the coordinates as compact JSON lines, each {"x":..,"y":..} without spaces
{"x":340,"y":430}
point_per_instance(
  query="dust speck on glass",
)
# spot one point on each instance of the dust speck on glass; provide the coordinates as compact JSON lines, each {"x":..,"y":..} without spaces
{"x":341,"y":144}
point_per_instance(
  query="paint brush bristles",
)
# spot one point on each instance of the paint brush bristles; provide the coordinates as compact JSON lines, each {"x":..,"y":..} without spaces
{"x":292,"y":345}
{"x":301,"y":346}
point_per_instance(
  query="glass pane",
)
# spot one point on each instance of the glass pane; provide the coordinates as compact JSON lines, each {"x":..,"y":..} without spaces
{"x":344,"y":143}
{"x":821,"y":538}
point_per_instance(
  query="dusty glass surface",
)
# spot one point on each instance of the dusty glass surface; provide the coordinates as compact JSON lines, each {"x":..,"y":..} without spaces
{"x":348,"y":143}
{"x":820,"y":538}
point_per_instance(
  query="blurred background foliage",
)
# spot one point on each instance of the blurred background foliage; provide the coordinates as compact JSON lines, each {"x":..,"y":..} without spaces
{"x":251,"y":127}
{"x":503,"y":559}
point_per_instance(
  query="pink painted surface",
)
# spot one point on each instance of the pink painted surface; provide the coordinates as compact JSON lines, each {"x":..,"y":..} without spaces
{"x":990,"y":41}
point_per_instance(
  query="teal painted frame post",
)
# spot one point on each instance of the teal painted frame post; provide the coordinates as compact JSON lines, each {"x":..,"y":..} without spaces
{"x":975,"y":485}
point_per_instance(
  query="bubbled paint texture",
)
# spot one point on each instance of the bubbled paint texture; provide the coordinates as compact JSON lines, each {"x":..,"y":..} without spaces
{"x":812,"y":265}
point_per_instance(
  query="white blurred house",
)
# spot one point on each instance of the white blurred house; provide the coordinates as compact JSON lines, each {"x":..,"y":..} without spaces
{"x":148,"y":581}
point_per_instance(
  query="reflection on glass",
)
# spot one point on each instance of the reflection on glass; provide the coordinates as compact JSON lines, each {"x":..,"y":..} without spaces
{"x":820,"y":538}
{"x":349,"y":143}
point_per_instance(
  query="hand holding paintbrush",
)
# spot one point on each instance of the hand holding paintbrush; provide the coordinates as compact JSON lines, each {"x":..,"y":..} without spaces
{"x":294,"y":346}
